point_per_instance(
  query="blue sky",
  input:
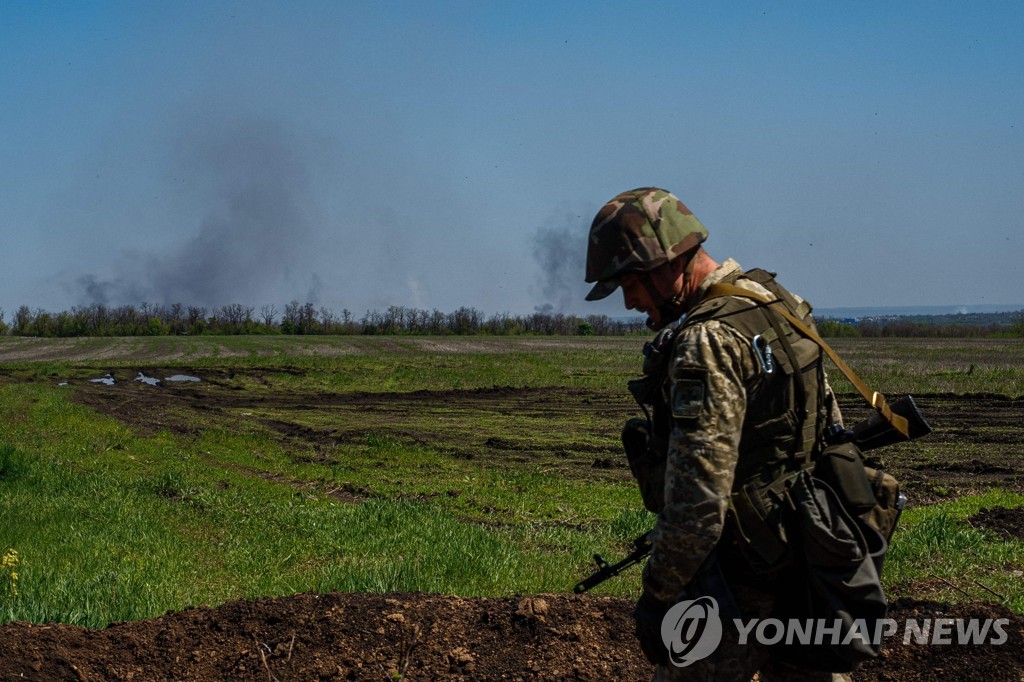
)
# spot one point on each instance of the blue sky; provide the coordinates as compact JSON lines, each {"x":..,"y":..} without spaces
{"x":361,"y":155}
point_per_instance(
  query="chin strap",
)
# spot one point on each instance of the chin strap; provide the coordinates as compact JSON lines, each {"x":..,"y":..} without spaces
{"x":671,"y":310}
{"x":668,"y":312}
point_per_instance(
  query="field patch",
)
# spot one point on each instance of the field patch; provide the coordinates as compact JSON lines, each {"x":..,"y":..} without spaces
{"x":574,"y":431}
{"x":1008,"y":523}
{"x":975,"y":445}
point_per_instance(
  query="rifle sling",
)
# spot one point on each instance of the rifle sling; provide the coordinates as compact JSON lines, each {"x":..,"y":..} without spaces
{"x":874,"y":398}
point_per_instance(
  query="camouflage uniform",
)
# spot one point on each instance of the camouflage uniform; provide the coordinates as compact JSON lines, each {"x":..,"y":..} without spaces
{"x":703,"y":454}
{"x":717,"y":393}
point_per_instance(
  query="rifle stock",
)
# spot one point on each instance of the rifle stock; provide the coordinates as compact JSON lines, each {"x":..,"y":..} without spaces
{"x":876,"y":432}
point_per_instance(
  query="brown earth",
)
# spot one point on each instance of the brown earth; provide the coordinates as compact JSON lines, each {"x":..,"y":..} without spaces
{"x":429,"y":637}
{"x":424,"y":637}
{"x":1006,"y":522}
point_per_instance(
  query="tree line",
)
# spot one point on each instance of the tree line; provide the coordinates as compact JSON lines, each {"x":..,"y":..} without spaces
{"x":297,"y":318}
{"x":908,"y":328}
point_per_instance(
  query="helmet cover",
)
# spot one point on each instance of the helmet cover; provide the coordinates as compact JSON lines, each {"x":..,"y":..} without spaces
{"x":638,"y":231}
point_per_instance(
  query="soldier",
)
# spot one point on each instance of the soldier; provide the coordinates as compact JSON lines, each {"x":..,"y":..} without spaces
{"x":736,"y":401}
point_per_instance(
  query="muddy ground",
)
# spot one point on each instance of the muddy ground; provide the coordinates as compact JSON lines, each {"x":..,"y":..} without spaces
{"x":424,"y":637}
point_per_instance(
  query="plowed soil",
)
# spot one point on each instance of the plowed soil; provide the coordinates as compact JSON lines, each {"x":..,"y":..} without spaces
{"x":430,"y":637}
{"x":975,"y":444}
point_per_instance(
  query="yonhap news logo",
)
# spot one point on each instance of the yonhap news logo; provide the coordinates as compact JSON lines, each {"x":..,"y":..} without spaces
{"x":692,"y":630}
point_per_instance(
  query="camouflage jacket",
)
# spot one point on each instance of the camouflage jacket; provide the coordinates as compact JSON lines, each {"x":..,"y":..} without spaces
{"x":713,"y":375}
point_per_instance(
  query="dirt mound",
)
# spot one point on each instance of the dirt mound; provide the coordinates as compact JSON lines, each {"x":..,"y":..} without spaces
{"x":901,"y":662}
{"x":1008,"y":522}
{"x":344,"y":637}
{"x":426,"y":637}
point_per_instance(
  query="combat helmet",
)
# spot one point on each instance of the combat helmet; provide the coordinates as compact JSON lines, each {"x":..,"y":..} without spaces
{"x":636,"y":232}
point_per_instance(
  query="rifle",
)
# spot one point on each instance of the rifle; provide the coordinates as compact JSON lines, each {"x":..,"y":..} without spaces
{"x":641,"y":548}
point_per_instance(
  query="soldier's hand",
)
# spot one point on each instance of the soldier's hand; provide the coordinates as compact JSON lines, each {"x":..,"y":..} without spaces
{"x":649,"y":613}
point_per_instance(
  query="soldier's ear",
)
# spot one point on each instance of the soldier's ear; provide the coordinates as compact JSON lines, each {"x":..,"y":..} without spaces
{"x":685,"y":264}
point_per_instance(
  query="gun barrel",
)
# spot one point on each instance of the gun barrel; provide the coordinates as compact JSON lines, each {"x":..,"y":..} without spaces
{"x":605,"y":570}
{"x":589,"y":582}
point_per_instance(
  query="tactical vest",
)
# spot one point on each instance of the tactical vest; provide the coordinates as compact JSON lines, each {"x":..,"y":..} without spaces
{"x":783,"y":428}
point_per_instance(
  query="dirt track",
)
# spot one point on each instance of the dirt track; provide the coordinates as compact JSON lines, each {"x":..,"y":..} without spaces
{"x":372,"y":637}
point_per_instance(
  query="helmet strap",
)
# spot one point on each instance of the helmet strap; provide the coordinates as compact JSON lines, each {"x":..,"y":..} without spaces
{"x":679,"y":299}
{"x":670,"y":310}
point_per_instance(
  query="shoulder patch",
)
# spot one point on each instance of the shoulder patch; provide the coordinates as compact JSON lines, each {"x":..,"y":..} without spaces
{"x":688,"y":390}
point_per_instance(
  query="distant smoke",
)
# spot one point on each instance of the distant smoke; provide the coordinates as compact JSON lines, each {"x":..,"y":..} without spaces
{"x":546,"y":309}
{"x":94,"y":290}
{"x":560,"y":249}
{"x":252,"y":183}
{"x":316,"y":287}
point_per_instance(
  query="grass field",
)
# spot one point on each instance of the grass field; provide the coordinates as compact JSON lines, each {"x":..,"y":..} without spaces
{"x":471,"y":466}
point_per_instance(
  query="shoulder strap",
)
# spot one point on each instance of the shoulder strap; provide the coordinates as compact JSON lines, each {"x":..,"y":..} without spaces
{"x":874,"y":398}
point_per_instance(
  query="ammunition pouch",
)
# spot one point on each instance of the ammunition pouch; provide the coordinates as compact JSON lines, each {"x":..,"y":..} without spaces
{"x":757,"y":512}
{"x":820,"y":537}
{"x":646,"y":440}
{"x":757,"y":531}
{"x":647,"y":463}
{"x":870,"y":494}
{"x":889,"y":502}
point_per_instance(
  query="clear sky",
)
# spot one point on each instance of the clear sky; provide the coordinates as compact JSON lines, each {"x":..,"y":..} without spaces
{"x":440,"y":154}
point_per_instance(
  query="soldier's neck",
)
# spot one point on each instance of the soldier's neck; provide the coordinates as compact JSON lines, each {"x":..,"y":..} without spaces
{"x":690,"y":278}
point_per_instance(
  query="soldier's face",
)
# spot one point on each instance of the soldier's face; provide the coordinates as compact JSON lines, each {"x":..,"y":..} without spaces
{"x":635,"y":295}
{"x":661,"y":286}
{"x":638,"y":296}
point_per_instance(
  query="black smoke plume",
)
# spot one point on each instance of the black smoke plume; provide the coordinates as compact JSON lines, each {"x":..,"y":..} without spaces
{"x":253,"y":184}
{"x":560,"y":249}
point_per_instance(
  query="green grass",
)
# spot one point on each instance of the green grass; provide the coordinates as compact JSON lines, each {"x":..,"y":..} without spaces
{"x":112,"y":525}
{"x":897,"y":366}
{"x":935,"y":546}
{"x":111,"y":522}
{"x":98,"y":544}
